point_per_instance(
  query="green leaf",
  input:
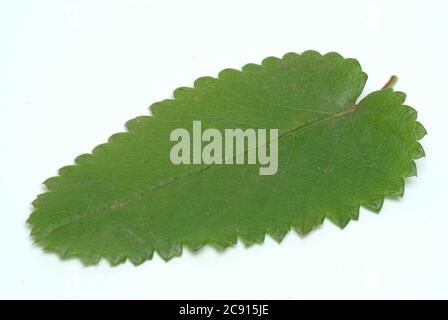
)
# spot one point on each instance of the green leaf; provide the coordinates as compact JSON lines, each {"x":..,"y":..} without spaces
{"x":127,"y":200}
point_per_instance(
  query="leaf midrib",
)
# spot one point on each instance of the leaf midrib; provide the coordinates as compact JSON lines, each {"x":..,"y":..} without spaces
{"x":121,"y":203}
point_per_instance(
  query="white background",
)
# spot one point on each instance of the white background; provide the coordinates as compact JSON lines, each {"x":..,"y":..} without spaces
{"x":72,"y":72}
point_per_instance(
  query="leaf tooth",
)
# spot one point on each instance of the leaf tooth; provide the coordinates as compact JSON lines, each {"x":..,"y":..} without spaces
{"x":344,"y":214}
{"x":306,"y":223}
{"x":420,"y":131}
{"x":411,"y":169}
{"x":38,"y":236}
{"x":37,"y":232}
{"x":229,"y":74}
{"x":353,"y":212}
{"x":158,"y":108}
{"x":278,"y":233}
{"x":353,"y":63}
{"x":411,"y":112}
{"x":290,"y":56}
{"x":333,"y":56}
{"x":32,"y":219}
{"x":117,"y":137}
{"x":36,"y":202}
{"x":183,"y":93}
{"x":253,"y":237}
{"x":138,"y":259}
{"x":138,"y":122}
{"x":147,"y":254}
{"x":196,"y":244}
{"x":170,"y":250}
{"x":88,"y":260}
{"x":64,"y":252}
{"x":116,"y":259}
{"x":270,"y":61}
{"x":251,"y":67}
{"x":83,"y":158}
{"x":204,"y":82}
{"x":221,"y":241}
{"x":311,"y":54}
{"x":400,"y":97}
{"x":100,"y":148}
{"x":51,"y":182}
{"x":356,"y":66}
{"x":341,"y":220}
{"x":374,"y":205}
{"x":418,"y":151}
{"x":342,"y":217}
{"x":396,"y":188}
{"x":66,"y":169}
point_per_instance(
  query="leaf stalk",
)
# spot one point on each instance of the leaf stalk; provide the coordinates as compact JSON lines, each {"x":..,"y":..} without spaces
{"x":391,"y":82}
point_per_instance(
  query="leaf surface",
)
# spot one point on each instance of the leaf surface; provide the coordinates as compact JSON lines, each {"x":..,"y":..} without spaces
{"x":126,"y":200}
